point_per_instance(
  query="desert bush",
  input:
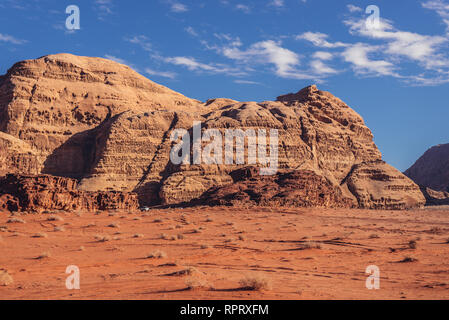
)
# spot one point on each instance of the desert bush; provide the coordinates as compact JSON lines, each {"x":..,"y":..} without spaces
{"x":101,"y":238}
{"x":196,"y":283}
{"x":157,"y":254}
{"x":5,"y":278}
{"x":43,"y":255}
{"x":255,"y":283}
{"x":113,"y":225}
{"x":40,"y":235}
{"x":15,"y":220}
{"x":310,"y":245}
{"x":55,"y":218}
{"x":412,"y":244}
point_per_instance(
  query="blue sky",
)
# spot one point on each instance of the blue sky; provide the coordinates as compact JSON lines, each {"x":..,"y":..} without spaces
{"x":396,"y":76}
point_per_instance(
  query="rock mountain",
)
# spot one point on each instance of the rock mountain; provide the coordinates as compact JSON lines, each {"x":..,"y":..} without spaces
{"x":107,"y":127}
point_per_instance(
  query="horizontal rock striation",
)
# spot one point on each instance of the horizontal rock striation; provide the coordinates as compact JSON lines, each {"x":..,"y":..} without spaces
{"x":44,"y":192}
{"x":101,"y":123}
{"x":301,"y":188}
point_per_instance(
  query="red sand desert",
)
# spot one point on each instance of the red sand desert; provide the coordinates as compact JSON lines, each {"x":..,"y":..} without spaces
{"x":206,"y":252}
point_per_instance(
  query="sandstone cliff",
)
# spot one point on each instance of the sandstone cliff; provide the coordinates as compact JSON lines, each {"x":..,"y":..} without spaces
{"x":44,"y":192}
{"x":108,"y":127}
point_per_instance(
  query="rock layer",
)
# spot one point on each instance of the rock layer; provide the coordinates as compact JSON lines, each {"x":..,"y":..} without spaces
{"x":108,"y":127}
{"x":299,"y":188}
{"x":44,"y":192}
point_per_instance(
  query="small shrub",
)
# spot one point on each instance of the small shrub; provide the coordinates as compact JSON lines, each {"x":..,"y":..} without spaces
{"x":310,"y":245}
{"x":101,"y":238}
{"x":163,"y":236}
{"x":55,"y":218}
{"x":408,"y":259}
{"x":15,"y":220}
{"x":113,"y":225}
{"x":158,"y":254}
{"x":40,"y":235}
{"x":59,"y":229}
{"x":196,"y":284}
{"x":412,"y":244}
{"x":5,"y":278}
{"x":255,"y":283}
{"x":138,"y":235}
{"x":43,"y":255}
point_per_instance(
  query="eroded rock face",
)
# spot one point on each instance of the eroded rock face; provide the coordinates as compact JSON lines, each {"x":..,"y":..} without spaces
{"x":108,"y":127}
{"x":378,"y":185}
{"x":431,"y":170}
{"x":300,"y":188}
{"x":44,"y":192}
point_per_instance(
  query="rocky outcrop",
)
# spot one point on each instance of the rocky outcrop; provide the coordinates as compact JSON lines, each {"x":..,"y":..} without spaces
{"x":435,"y":198}
{"x":431,"y":170}
{"x":377,"y":185}
{"x":109,"y":128}
{"x":44,"y":192}
{"x":301,"y":188}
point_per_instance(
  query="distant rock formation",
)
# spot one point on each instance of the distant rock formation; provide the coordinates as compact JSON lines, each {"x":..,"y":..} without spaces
{"x":431,"y":170}
{"x":431,"y":173}
{"x":109,"y":128}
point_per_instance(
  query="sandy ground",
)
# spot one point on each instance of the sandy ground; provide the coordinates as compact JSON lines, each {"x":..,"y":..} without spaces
{"x":300,"y":253}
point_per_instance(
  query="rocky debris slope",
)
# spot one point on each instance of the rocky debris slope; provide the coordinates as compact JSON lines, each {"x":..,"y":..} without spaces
{"x":107,"y":126}
{"x":431,"y":170}
{"x":299,"y":188}
{"x":435,"y":198}
{"x":44,"y":192}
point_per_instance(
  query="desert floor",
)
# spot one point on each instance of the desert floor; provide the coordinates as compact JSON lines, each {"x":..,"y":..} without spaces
{"x":300,"y":253}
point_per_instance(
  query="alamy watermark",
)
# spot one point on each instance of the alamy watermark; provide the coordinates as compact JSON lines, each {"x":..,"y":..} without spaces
{"x":187,"y":152}
{"x":73,"y":20}
{"x":73,"y":280}
{"x":373,"y":21}
{"x":373,"y":280}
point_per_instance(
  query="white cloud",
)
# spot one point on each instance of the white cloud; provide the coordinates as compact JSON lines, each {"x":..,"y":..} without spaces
{"x":353,"y":8}
{"x":104,"y":8}
{"x":193,"y":65}
{"x":441,"y":8}
{"x":142,"y":41}
{"x":266,"y":52}
{"x":11,"y":39}
{"x":277,"y":3}
{"x":247,"y":82}
{"x":178,"y":7}
{"x":165,"y":74}
{"x":191,"y":31}
{"x":320,"y":68}
{"x":414,"y":46}
{"x":323,"y":55}
{"x":243,"y":7}
{"x":357,"y":55}
{"x":318,"y":39}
